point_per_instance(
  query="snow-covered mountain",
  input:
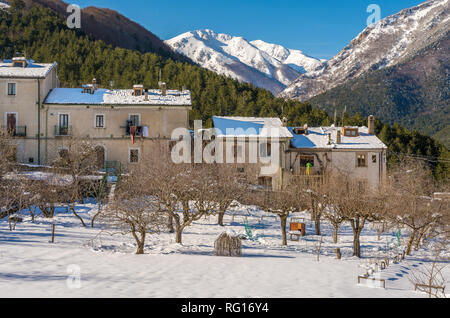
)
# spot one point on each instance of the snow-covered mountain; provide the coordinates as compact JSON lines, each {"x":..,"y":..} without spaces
{"x":386,"y":43}
{"x":266,"y":65}
{"x":4,"y":5}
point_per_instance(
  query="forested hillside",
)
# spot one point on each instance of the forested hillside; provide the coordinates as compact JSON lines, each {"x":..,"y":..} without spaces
{"x":414,"y":94}
{"x":42,"y":35}
{"x":113,"y":28}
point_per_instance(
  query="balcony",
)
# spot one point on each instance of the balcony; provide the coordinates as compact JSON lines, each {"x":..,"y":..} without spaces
{"x":139,"y":129}
{"x":61,"y":131}
{"x":312,"y":172}
{"x":18,"y":131}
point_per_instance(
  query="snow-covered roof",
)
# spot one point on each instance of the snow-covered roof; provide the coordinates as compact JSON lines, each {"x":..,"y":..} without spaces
{"x":33,"y":70}
{"x":317,"y":138}
{"x":75,"y":96}
{"x":250,"y":127}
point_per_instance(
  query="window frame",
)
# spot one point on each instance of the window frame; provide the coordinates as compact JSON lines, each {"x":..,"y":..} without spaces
{"x":138,"y":155}
{"x":139,"y":118}
{"x":8,"y":91}
{"x":104,"y":121}
{"x":267,"y":153}
{"x":366,"y":164}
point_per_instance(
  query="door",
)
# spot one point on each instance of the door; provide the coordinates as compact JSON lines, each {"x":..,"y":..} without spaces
{"x":100,"y":157}
{"x":11,"y":121}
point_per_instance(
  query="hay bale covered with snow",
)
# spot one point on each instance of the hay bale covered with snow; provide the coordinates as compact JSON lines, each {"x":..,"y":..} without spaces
{"x":228,"y":244}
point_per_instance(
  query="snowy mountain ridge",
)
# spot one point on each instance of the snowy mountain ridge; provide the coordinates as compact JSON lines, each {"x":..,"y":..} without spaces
{"x":384,"y":44}
{"x":266,"y":65}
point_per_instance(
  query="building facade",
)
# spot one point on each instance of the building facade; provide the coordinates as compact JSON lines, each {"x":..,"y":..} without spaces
{"x":125,"y":125}
{"x":24,"y":86}
{"x":305,"y":152}
{"x":355,"y":151}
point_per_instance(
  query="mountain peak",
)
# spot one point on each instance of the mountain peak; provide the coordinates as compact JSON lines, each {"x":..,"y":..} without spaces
{"x":266,"y":65}
{"x":380,"y":45}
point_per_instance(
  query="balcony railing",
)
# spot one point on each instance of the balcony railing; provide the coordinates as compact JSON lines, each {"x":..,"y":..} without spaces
{"x":63,"y":131}
{"x":21,"y":131}
{"x":307,"y":172}
{"x":18,"y":131}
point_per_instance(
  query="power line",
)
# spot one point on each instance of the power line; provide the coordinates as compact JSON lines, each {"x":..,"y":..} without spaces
{"x":425,"y":158}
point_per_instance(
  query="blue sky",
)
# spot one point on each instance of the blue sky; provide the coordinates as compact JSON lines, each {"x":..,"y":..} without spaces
{"x":320,"y":28}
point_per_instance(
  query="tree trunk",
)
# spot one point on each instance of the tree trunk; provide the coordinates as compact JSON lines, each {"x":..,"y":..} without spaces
{"x":72,"y":208}
{"x":335,"y":233}
{"x":140,"y":249}
{"x":410,"y":242}
{"x":53,"y":233}
{"x":283,"y":229}
{"x":140,"y":243}
{"x":96,"y":215}
{"x":220,"y":220}
{"x":178,"y":235}
{"x":170,"y":224}
{"x":357,"y":244}
{"x":317,"y":225}
{"x":419,"y":239}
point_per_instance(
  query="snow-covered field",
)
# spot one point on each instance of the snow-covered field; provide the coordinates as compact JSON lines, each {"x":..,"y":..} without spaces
{"x":30,"y":266}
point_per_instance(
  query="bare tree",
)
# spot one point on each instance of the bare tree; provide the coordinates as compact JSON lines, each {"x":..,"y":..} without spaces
{"x":412,"y":204}
{"x":231,"y":186}
{"x":186,"y":192}
{"x":332,"y":211}
{"x":358,"y":204}
{"x":317,"y":197}
{"x":78,"y":162}
{"x":99,"y":191}
{"x":429,"y":278}
{"x":135,"y":208}
{"x":281,"y":203}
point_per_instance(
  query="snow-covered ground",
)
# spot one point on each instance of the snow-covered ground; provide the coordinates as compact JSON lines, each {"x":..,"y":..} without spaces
{"x":30,"y":266}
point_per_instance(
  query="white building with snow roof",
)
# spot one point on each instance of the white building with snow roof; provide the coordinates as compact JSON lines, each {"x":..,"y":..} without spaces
{"x":24,"y":85}
{"x":259,"y":146}
{"x":356,"y":151}
{"x":309,"y":151}
{"x":126,"y":125}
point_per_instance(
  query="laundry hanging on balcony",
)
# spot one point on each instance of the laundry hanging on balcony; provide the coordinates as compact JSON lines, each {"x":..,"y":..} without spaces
{"x":145,"y":132}
{"x":133,"y":131}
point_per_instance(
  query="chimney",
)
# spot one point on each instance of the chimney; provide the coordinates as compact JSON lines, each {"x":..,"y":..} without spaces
{"x":285,"y":122}
{"x":305,"y":127}
{"x":146,"y":94}
{"x":163,"y":89}
{"x":329,"y":139}
{"x":371,"y":125}
{"x":339,"y":137}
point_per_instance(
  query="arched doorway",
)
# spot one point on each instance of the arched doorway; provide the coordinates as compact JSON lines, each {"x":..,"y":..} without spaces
{"x":100,"y":157}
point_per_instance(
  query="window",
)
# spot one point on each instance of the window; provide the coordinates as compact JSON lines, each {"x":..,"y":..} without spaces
{"x":99,"y":121}
{"x":63,"y":126}
{"x":361,"y":160}
{"x":238,"y":151}
{"x":12,"y":89}
{"x":374,"y":159}
{"x":351,"y":132}
{"x":300,"y":131}
{"x":134,"y":118}
{"x":265,"y":150}
{"x":134,"y":156}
